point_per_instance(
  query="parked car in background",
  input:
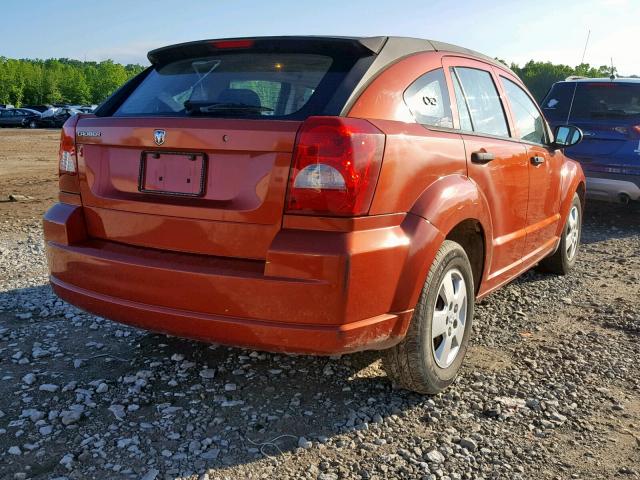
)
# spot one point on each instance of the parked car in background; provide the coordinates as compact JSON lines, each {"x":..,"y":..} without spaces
{"x":38,"y":108}
{"x":313,"y":194}
{"x":85,"y":109}
{"x":608,"y":112}
{"x":19,"y":117}
{"x":33,"y":117}
{"x":55,"y":117}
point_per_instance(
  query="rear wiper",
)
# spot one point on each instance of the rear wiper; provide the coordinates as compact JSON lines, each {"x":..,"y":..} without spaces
{"x":215,"y":107}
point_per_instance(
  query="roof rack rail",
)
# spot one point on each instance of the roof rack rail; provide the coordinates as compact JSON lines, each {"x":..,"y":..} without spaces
{"x":574,"y":77}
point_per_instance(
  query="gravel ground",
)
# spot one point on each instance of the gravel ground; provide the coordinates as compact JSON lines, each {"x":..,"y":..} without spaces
{"x":549,"y":390}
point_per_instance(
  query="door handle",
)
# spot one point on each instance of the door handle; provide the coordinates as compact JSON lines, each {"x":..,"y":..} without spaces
{"x":481,"y":157}
{"x":537,"y":160}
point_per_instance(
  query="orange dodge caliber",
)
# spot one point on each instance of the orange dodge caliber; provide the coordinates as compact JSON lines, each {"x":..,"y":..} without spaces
{"x":314,"y":195}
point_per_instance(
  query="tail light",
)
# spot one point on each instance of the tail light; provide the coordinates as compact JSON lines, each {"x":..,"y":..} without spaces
{"x":336,"y":163}
{"x":68,"y":161}
{"x":68,"y":157}
{"x":636,"y":130}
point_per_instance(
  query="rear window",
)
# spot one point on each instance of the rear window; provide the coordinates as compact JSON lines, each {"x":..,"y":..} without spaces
{"x":593,"y":100}
{"x":250,"y":84}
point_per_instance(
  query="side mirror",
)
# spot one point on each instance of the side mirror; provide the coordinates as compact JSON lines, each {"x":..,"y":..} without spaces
{"x":566,"y":136}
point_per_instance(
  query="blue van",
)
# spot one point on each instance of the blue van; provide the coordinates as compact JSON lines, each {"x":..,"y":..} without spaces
{"x":608,"y":112}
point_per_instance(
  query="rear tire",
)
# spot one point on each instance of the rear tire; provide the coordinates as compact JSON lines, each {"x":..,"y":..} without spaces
{"x":33,"y":124}
{"x":429,"y":357}
{"x":562,"y":261}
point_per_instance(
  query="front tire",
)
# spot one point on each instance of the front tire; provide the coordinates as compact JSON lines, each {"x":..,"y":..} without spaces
{"x":429,"y":357}
{"x":562,"y":261}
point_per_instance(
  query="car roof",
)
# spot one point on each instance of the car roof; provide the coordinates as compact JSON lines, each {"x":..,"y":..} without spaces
{"x":395,"y":47}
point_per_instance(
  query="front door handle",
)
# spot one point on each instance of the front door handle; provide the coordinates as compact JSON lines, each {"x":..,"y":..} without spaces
{"x":481,"y":157}
{"x":537,"y":160}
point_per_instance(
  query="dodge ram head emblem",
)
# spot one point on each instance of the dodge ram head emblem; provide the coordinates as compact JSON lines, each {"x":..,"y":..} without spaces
{"x":158,"y":136}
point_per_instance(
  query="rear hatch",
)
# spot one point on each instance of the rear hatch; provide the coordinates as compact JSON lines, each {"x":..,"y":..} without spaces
{"x":194,"y":154}
{"x":608,"y":112}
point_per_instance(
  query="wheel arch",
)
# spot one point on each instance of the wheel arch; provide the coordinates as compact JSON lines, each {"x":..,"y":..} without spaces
{"x":452,"y":208}
{"x":572,"y":181}
{"x":581,"y":190}
{"x":470,"y":235}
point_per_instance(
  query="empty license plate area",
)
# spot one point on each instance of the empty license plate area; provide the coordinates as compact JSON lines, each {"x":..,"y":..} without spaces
{"x":172,"y":173}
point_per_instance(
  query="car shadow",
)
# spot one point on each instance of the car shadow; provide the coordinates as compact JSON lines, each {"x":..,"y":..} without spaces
{"x":602,"y":221}
{"x":210,"y":406}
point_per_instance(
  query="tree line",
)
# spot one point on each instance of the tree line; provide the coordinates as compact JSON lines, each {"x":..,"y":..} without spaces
{"x":35,"y":82}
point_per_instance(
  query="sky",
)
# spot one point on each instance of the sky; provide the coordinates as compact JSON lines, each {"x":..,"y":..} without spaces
{"x":513,"y":30}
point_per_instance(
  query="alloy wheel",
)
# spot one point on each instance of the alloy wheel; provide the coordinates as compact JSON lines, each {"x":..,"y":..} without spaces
{"x":573,"y":232}
{"x":449,"y":318}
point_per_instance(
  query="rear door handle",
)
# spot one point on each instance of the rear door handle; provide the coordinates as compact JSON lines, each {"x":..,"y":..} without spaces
{"x":537,"y":160}
{"x":481,"y":157}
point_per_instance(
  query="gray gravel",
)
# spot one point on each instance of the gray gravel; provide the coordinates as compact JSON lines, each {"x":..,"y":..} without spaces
{"x":550,"y":389}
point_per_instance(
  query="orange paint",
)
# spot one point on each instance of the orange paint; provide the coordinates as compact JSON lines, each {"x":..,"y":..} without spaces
{"x":229,"y":266}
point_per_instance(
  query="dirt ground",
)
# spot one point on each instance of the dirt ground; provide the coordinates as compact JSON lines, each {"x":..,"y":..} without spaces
{"x":550,"y":388}
{"x":28,"y":167}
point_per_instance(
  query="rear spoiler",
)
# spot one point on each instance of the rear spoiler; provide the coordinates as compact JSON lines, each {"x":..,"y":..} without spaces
{"x":346,"y":45}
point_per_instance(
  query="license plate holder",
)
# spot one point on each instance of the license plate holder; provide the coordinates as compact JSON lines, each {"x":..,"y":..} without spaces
{"x":173,"y":173}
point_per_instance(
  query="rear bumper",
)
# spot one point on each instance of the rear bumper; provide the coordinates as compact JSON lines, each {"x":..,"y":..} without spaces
{"x":316,"y":292}
{"x":613,"y":188}
{"x":373,"y":333}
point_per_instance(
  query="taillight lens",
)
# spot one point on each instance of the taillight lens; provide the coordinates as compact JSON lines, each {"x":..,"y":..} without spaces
{"x":336,"y":163}
{"x":68,"y":162}
{"x":636,"y":129}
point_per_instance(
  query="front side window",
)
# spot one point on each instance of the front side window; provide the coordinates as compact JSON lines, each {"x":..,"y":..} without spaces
{"x":428,"y":100}
{"x":526,"y":115}
{"x":483,"y":101}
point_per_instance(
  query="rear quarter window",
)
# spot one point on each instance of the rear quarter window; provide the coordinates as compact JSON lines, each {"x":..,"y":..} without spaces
{"x":234,"y":84}
{"x":428,"y":100}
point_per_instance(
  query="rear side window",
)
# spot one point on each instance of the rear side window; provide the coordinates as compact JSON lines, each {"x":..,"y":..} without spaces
{"x":250,"y":84}
{"x":483,"y":102}
{"x":461,"y":102}
{"x":428,"y":100}
{"x":557,"y":102}
{"x":593,"y":100}
{"x":528,"y":118}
